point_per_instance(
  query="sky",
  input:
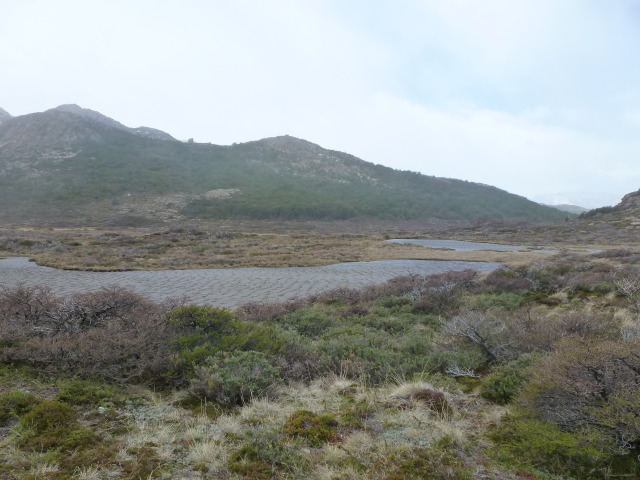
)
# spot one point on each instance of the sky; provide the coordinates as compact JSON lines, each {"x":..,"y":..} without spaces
{"x":537,"y":97}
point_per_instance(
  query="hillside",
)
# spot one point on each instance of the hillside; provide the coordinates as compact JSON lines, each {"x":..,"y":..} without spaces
{"x":625,"y":214}
{"x":96,"y":170}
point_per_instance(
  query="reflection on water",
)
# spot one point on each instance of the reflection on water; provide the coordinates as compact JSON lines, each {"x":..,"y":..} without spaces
{"x":227,"y":287}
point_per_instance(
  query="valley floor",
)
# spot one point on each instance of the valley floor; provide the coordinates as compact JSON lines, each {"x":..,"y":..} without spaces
{"x":283,"y":244}
{"x":528,"y":372}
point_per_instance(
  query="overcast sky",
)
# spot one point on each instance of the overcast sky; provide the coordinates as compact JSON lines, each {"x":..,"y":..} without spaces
{"x":537,"y":97}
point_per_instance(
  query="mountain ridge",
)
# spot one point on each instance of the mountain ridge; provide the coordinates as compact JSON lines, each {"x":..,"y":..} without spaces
{"x":95,"y":169}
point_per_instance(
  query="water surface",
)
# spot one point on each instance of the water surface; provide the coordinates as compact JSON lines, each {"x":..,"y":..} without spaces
{"x":467,"y":246}
{"x":227,"y":287}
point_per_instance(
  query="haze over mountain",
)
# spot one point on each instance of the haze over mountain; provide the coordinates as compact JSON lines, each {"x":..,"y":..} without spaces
{"x":586,"y":200}
{"x":73,"y":165}
{"x":576,"y":209}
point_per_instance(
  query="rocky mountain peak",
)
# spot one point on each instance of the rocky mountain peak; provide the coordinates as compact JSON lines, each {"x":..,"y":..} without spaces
{"x":62,"y":128}
{"x":88,"y":114}
{"x":631,"y":201}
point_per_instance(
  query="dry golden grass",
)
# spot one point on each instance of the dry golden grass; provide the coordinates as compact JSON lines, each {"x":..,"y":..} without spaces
{"x":215,"y":245}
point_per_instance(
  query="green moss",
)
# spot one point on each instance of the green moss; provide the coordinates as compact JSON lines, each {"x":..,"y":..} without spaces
{"x":423,"y":464}
{"x":15,"y":403}
{"x":315,"y":429}
{"x":526,"y":442}
{"x":146,"y":464}
{"x":53,"y":425}
{"x":353,"y":414}
{"x":265,"y":453}
{"x":87,"y":392}
{"x":199,"y":406}
{"x":246,"y":461}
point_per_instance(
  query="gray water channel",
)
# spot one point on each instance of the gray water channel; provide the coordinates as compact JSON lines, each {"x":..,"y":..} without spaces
{"x":468,"y":246}
{"x":226,"y":287}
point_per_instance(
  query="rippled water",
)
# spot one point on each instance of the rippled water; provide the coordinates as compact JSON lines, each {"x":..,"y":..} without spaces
{"x":227,"y":287}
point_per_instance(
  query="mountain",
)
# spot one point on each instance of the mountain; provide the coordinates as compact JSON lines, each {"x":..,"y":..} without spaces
{"x":625,"y":214}
{"x":569,"y":208}
{"x":4,"y":115}
{"x":60,"y":133}
{"x":73,"y":165}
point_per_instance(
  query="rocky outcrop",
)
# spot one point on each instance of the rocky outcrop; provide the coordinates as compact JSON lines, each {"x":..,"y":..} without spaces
{"x":631,"y":201}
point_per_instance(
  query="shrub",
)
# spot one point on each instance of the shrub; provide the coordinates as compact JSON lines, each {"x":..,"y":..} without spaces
{"x":503,"y":384}
{"x":134,"y":349}
{"x":260,"y":311}
{"x":590,"y":383}
{"x":196,"y":318}
{"x":203,"y":331}
{"x":486,"y":331}
{"x":111,"y":334}
{"x":360,"y":351}
{"x":311,"y":322}
{"x":504,"y":301}
{"x":439,"y":293}
{"x":503,"y":279}
{"x":393,"y":302}
{"x":235,"y":378}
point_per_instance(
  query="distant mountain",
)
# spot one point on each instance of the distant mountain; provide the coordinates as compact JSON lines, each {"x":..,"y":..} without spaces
{"x":586,"y":200}
{"x":575,"y":209}
{"x":74,"y":165}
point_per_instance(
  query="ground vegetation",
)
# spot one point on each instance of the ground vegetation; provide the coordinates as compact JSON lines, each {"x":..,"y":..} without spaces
{"x":529,"y":372}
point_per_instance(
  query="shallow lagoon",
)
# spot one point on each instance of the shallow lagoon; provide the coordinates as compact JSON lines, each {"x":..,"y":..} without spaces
{"x":227,"y":287}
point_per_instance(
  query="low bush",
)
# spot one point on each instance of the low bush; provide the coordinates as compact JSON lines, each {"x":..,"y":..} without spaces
{"x":505,"y":301}
{"x":504,"y":383}
{"x":440,"y":293}
{"x":235,"y":378}
{"x":202,"y":332}
{"x":508,"y":280}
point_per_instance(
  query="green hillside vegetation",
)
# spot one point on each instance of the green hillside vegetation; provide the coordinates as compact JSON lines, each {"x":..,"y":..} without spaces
{"x":523,"y":373}
{"x":95,"y":168}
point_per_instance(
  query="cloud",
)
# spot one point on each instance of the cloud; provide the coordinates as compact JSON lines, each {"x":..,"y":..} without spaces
{"x":485,"y":146}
